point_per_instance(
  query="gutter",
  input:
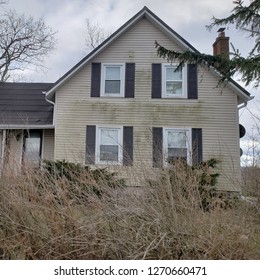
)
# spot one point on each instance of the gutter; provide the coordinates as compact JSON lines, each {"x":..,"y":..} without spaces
{"x":24,"y":126}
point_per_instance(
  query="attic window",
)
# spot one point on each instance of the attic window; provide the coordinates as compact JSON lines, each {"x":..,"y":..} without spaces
{"x":112,"y":80}
{"x":174,"y":82}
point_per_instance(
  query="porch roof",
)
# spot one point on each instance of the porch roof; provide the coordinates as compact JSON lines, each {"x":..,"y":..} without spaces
{"x":24,"y":105}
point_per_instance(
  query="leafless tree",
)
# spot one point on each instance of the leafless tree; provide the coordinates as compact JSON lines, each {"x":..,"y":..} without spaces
{"x":24,"y":43}
{"x":95,"y":35}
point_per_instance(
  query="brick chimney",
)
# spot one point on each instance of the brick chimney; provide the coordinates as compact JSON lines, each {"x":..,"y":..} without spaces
{"x":221,"y":45}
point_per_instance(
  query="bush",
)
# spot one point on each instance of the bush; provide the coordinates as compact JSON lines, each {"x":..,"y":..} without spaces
{"x":81,"y":179}
{"x":191,"y":182}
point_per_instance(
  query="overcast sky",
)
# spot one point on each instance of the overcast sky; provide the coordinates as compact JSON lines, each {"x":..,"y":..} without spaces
{"x":68,"y":18}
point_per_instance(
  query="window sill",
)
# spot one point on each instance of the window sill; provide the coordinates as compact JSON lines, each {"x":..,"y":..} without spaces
{"x":109,"y":163}
{"x":112,"y":96}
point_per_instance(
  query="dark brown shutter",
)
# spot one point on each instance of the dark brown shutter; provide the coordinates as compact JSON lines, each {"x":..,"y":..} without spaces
{"x":192,"y":81}
{"x":196,"y":146}
{"x":128,"y":146}
{"x":157,"y":147}
{"x":156,"y":80}
{"x":95,"y":80}
{"x":90,"y":144}
{"x":130,"y":80}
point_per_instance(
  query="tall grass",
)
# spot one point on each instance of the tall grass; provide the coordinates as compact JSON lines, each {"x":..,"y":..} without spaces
{"x":42,"y":217}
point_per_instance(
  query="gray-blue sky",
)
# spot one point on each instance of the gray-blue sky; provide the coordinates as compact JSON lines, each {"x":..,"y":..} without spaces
{"x":68,"y":18}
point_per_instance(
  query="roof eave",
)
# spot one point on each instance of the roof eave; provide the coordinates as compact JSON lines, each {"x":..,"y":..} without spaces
{"x":145,"y":12}
{"x":241,"y":93}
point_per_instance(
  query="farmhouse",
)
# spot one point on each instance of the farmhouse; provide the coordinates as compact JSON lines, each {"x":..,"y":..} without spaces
{"x":124,"y":107}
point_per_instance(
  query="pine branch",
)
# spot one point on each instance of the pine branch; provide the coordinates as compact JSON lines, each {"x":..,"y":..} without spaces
{"x":249,"y":68}
{"x":245,"y":18}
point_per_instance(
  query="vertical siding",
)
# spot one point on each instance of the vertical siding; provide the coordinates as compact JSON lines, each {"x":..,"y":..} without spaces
{"x":14,"y":150}
{"x":48,"y":144}
{"x":1,"y":142}
{"x":215,"y":111}
{"x":1,"y":150}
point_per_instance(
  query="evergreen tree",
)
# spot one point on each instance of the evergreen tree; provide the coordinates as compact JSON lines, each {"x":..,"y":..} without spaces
{"x":246,"y":18}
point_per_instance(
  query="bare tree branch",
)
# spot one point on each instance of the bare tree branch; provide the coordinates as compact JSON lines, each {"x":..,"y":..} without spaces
{"x":24,"y":42}
{"x":95,"y":35}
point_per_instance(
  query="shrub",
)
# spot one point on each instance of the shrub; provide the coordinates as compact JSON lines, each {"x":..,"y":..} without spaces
{"x":192,"y":181}
{"x":82,"y":180}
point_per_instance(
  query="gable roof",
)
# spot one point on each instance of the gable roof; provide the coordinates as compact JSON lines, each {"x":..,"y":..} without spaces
{"x":23,"y":105}
{"x":144,"y":13}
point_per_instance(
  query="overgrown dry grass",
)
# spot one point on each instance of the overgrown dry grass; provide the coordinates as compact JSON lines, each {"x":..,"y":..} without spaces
{"x":251,"y":181}
{"x":41,"y":218}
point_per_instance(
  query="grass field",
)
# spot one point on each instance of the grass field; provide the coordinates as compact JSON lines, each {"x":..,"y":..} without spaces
{"x":42,"y":217}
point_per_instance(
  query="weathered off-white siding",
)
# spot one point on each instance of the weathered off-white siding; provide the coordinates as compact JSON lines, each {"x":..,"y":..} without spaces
{"x":11,"y":160}
{"x":13,"y":152}
{"x":1,"y":150}
{"x":215,"y":111}
{"x":48,"y":144}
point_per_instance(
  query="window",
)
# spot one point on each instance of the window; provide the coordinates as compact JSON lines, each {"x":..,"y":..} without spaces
{"x":174,"y":83}
{"x":112,"y":79}
{"x":177,"y":144}
{"x":32,"y":147}
{"x":109,"y":145}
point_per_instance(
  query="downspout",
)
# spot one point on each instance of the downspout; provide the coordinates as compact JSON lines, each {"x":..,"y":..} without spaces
{"x":242,"y":106}
{"x":3,"y":144}
{"x":53,"y":103}
{"x":53,"y":121}
{"x":245,"y":103}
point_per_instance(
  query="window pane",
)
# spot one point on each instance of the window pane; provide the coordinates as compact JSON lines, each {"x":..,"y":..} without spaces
{"x":109,"y":144}
{"x":109,"y":136}
{"x":112,"y":87}
{"x":32,"y":148}
{"x":109,"y":153}
{"x":112,"y":73}
{"x":174,"y":88}
{"x":177,"y":153}
{"x":172,"y":75}
{"x":176,"y":139}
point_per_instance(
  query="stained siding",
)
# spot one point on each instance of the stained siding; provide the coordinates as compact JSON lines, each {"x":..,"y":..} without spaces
{"x":1,"y":149}
{"x":214,"y":111}
{"x":14,"y":150}
{"x":1,"y":140}
{"x":48,"y":144}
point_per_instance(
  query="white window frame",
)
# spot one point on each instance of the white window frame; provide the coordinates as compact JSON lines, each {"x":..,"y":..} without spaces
{"x":184,"y":81}
{"x":122,"y":79}
{"x":26,"y":153}
{"x":188,"y":143}
{"x":120,"y":145}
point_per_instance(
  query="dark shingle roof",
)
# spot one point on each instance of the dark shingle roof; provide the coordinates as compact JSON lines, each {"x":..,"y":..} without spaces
{"x":24,"y":104}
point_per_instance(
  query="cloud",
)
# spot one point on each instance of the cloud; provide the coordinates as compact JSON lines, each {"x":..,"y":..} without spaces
{"x":68,"y":18}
